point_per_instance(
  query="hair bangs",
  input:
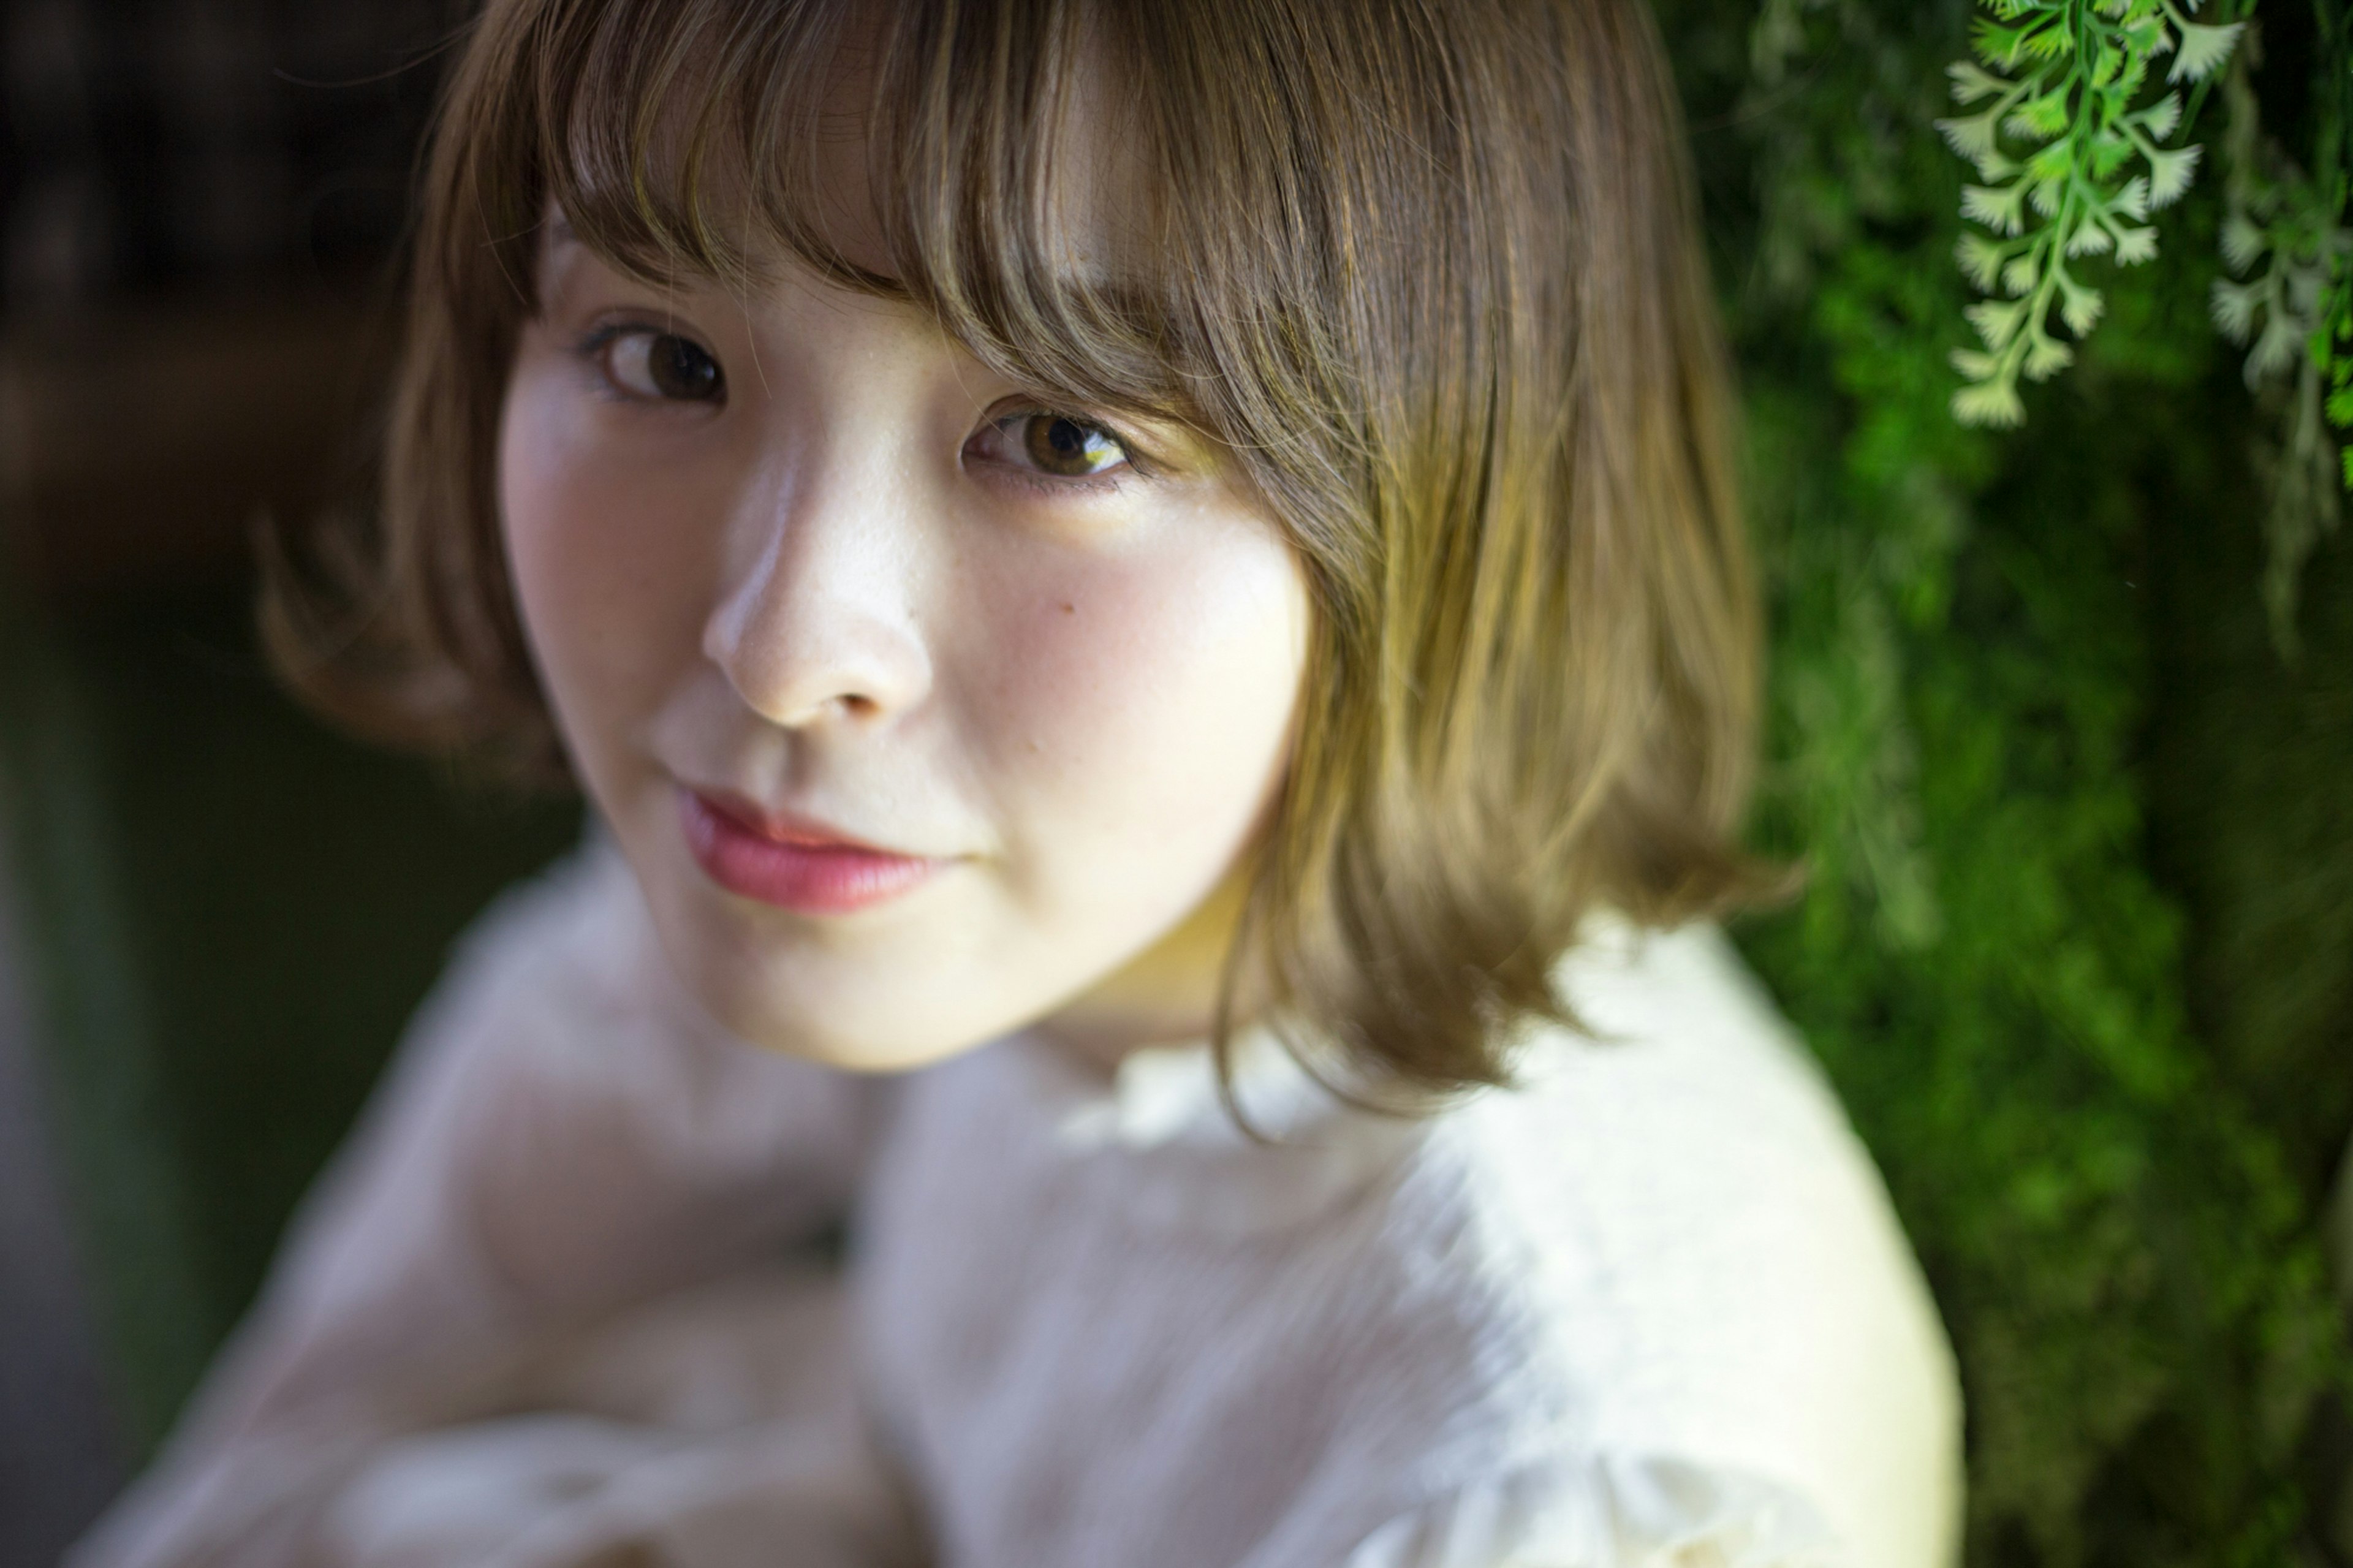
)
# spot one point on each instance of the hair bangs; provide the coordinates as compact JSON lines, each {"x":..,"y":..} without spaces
{"x":968,"y":158}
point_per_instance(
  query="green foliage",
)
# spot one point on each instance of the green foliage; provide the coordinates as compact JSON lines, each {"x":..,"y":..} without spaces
{"x":2069,"y":84}
{"x":2124,"y":1253}
{"x":2290,"y":300}
{"x":2063,"y":82}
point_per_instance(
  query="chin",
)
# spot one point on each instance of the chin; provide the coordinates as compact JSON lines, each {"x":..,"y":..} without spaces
{"x":812,"y":1011}
{"x":789,"y":1021}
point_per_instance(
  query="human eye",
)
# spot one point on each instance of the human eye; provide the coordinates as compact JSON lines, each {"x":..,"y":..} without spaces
{"x":656,"y":367}
{"x":1052,"y":449}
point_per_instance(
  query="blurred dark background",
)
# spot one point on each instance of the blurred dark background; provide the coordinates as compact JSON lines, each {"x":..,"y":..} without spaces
{"x":214,"y":913}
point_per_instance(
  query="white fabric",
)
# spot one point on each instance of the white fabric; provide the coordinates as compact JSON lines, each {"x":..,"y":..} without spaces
{"x":1649,"y":1308}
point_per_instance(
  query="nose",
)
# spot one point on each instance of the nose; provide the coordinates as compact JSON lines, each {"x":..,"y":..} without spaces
{"x":818,"y":623}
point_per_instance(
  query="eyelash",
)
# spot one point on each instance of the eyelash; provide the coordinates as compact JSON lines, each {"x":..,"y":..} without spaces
{"x":1133,"y":465}
{"x":592,"y":347}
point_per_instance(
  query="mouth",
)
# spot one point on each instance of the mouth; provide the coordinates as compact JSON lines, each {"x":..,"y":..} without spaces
{"x":795,"y":865}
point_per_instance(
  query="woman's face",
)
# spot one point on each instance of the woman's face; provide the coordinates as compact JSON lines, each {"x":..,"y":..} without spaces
{"x":797,"y":571}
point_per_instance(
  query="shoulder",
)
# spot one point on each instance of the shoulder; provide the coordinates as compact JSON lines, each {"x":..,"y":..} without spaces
{"x":1675,"y":1207}
{"x":1617,"y":1510}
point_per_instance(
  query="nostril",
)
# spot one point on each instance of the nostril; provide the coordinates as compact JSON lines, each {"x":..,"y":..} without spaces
{"x":818,"y":630}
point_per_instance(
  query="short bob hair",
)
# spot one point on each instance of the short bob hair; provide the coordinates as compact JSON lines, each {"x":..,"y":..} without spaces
{"x":1425,"y":271}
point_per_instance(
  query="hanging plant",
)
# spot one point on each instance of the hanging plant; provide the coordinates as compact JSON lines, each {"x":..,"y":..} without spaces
{"x":2073,"y":155}
{"x":2077,"y":141}
{"x":2289,"y":299}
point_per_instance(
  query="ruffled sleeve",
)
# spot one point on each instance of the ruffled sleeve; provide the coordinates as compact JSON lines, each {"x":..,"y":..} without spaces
{"x":1610,"y":1511}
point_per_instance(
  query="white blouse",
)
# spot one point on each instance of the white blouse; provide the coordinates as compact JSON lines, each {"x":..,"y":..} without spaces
{"x":557,"y":1306}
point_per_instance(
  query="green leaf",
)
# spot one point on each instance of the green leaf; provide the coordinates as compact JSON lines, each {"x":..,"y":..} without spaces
{"x":2053,"y":164}
{"x":1997,"y":45}
{"x":2234,"y":306}
{"x":1970,"y":84}
{"x":2047,"y":42}
{"x":2134,"y":245}
{"x":2243,"y":243}
{"x":1996,"y":206}
{"x":1971,"y":136}
{"x":2203,"y":50}
{"x":2079,"y":307}
{"x":2277,"y":350}
{"x":2107,"y":154}
{"x":2040,"y":118}
{"x":1980,"y":258}
{"x":1976,"y":364}
{"x":2046,"y":356}
{"x":2160,"y":118}
{"x":2128,"y":82}
{"x":1997,"y":322}
{"x":1989,"y":403}
{"x":2024,"y":271}
{"x":2090,"y":239}
{"x":2170,"y":174}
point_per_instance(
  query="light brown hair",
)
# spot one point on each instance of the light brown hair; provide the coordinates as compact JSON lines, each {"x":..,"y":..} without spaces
{"x":1425,"y":271}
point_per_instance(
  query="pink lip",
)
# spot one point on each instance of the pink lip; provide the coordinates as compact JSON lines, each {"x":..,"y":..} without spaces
{"x":793,"y":865}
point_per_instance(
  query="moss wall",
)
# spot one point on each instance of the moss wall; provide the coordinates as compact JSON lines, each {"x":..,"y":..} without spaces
{"x":2078,"y":942}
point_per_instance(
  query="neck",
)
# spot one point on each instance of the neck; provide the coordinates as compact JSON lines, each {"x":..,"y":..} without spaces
{"x":1166,"y":995}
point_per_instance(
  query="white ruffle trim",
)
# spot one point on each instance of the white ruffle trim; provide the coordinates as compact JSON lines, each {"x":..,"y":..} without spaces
{"x":1614,"y":1512}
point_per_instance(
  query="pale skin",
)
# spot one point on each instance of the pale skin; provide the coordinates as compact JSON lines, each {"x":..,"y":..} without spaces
{"x":842,"y":586}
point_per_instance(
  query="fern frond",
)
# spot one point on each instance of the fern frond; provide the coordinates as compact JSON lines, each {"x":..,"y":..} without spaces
{"x":2072,"y":88}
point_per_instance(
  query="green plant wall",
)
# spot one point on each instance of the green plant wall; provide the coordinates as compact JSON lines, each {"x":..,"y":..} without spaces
{"x":2076,"y":944}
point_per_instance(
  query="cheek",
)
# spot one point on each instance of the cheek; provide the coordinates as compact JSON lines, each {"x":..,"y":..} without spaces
{"x":1147,"y":711}
{"x":603,"y":555}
